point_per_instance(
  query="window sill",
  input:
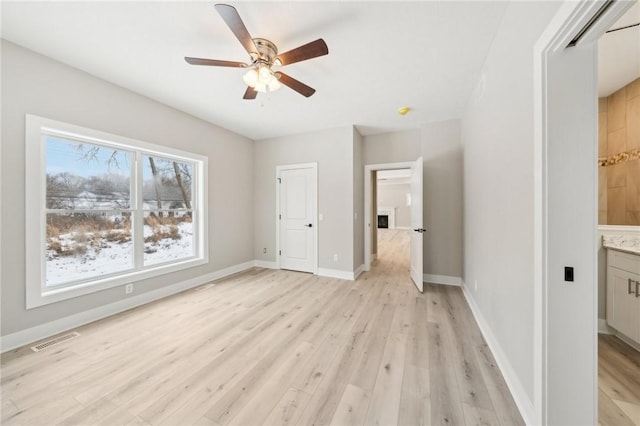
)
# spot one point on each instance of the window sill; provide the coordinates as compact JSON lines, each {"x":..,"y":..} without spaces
{"x":46,"y":296}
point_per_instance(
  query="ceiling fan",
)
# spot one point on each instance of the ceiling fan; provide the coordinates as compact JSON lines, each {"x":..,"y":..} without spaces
{"x":264,"y":55}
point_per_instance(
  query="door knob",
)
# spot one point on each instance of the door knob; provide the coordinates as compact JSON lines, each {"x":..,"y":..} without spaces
{"x":420,"y":230}
{"x":309,"y":225}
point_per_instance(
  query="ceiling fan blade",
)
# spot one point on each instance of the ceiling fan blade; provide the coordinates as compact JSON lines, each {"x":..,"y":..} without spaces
{"x":214,"y":62}
{"x":250,"y":93}
{"x":296,"y":85}
{"x":304,"y":52}
{"x":235,"y":24}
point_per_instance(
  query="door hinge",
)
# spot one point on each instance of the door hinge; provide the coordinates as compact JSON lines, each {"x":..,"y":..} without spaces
{"x":280,"y":252}
{"x":280,"y":217}
{"x":279,"y":180}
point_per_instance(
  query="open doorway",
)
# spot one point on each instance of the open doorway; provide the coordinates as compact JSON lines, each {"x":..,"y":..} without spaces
{"x":393,"y":218}
{"x":371,"y":251}
{"x":619,"y":221}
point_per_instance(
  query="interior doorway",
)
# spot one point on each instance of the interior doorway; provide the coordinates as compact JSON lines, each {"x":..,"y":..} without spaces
{"x":619,"y":221}
{"x":565,"y":212}
{"x":393,"y":211}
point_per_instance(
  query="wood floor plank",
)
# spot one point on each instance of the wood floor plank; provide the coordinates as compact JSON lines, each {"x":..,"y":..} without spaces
{"x":385,"y":399}
{"x":415,"y":399}
{"x":352,"y":407}
{"x":609,"y":414}
{"x":288,"y":410}
{"x":446,"y":404}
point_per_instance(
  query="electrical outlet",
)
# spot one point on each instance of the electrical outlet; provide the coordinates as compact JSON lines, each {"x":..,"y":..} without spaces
{"x":128,"y":289}
{"x":335,"y":257}
{"x":264,"y":250}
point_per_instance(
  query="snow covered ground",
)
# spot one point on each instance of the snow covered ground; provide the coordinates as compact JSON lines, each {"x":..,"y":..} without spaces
{"x":106,"y":257}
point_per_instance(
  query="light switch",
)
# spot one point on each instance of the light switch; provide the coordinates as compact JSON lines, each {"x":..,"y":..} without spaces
{"x":320,"y":216}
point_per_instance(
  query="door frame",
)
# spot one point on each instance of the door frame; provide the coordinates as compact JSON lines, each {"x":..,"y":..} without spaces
{"x":368,"y":195}
{"x":570,"y":18}
{"x":279,"y":169}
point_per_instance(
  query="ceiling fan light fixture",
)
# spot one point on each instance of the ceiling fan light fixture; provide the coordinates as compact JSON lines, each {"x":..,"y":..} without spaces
{"x":265,"y":75}
{"x":251,"y":77}
{"x":274,"y":85}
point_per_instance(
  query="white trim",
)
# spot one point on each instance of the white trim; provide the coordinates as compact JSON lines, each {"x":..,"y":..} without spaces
{"x":30,"y":335}
{"x":314,"y":167}
{"x":442,"y":279}
{"x":603,"y":327}
{"x":516,"y":388}
{"x":336,"y":273}
{"x":368,"y":169}
{"x":265,"y":264}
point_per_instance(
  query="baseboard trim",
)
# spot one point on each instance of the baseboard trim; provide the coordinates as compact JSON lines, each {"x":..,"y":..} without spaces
{"x":33,"y":334}
{"x":524,"y":404}
{"x":604,"y":328}
{"x":336,"y":273}
{"x":265,"y":264}
{"x":442,"y":279}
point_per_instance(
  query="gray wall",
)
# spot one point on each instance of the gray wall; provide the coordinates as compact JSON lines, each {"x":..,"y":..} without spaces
{"x":392,"y":147}
{"x":334,"y":152}
{"x":37,"y":85}
{"x":442,"y":201}
{"x":439,"y":145}
{"x":395,"y":195}
{"x":497,"y":139}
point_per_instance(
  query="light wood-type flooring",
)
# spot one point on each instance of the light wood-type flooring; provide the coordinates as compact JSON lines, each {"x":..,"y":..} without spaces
{"x":618,"y":382}
{"x":274,"y":348}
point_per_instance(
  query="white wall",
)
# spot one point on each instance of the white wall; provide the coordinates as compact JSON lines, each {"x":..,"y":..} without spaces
{"x":35,"y":84}
{"x":497,"y":139}
{"x":395,"y":195}
{"x":334,"y":152}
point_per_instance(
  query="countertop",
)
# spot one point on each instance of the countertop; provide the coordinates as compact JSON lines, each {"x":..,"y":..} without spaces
{"x":625,"y":243}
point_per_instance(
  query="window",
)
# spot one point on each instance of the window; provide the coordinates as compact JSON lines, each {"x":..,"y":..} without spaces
{"x":104,"y":210}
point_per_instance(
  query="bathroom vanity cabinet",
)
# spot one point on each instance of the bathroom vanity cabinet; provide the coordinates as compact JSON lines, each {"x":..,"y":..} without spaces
{"x":623,"y":293}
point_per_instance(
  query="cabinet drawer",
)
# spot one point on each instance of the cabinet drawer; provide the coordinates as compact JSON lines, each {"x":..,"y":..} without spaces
{"x":625,"y":261}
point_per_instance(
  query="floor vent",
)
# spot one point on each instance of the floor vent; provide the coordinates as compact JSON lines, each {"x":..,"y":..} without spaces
{"x":55,"y":341}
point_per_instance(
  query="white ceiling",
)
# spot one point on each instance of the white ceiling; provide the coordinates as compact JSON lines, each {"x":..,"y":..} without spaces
{"x":382,"y":55}
{"x":619,"y":54}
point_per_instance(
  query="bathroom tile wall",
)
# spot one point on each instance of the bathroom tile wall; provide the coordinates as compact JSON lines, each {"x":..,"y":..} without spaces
{"x":619,"y":157}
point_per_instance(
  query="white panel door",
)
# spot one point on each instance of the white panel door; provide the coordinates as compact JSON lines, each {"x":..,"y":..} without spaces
{"x":297,"y":219}
{"x":416,"y":223}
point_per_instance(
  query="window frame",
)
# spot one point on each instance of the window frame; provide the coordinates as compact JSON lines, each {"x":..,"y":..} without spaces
{"x":37,"y":130}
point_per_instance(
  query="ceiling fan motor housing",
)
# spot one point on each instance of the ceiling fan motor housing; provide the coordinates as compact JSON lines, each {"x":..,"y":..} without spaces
{"x":267,"y":50}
